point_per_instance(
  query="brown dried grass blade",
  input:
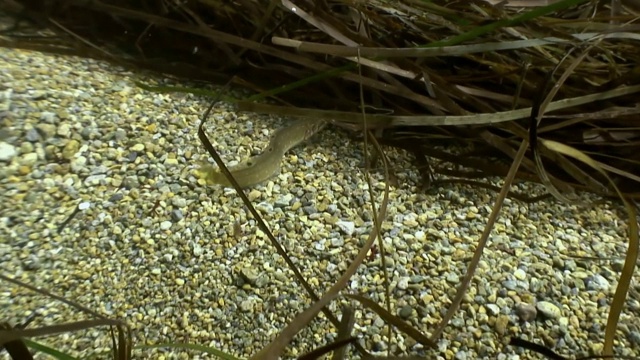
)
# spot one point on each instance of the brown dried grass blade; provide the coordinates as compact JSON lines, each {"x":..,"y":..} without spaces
{"x":347,"y":321}
{"x":16,"y":349}
{"x":16,"y":334}
{"x":538,"y":110}
{"x":436,"y":120}
{"x":323,"y":350}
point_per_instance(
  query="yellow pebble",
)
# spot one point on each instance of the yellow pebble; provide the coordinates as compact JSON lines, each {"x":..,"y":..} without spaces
{"x":24,"y":170}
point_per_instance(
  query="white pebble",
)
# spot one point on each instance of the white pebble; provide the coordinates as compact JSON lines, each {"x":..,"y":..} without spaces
{"x":137,"y":147}
{"x":64,"y":130}
{"x":548,"y":309}
{"x":29,"y":159}
{"x":520,"y":274}
{"x":347,"y":227}
{"x":165,"y":225}
{"x":7,"y":151}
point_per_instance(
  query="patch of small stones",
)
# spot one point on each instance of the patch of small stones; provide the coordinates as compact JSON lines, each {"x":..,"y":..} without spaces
{"x":178,"y":260}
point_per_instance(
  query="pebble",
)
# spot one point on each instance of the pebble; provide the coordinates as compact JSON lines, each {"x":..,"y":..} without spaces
{"x":254,"y":195}
{"x":403,"y":283}
{"x":283,"y":201}
{"x":137,"y":147}
{"x":179,"y":202}
{"x":502,"y":322}
{"x":493,"y":309}
{"x":453,"y":278}
{"x":32,"y":135}
{"x":46,"y":130}
{"x":70,"y":149}
{"x":337,"y":242}
{"x":405,"y":312}
{"x":526,"y":312}
{"x":520,"y":274}
{"x":176,"y":215}
{"x":597,"y":282}
{"x":549,"y":309}
{"x":64,"y":130}
{"x":29,"y":159}
{"x":179,"y":247}
{"x":7,"y":151}
{"x":347,"y":227}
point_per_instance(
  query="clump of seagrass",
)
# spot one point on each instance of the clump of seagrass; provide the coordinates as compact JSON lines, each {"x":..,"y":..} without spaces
{"x":433,"y":73}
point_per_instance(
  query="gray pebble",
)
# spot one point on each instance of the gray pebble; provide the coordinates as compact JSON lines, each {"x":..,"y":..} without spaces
{"x":178,"y":202}
{"x":453,"y":278}
{"x":457,"y":322}
{"x":337,"y":241}
{"x":36,"y":174}
{"x":510,"y":284}
{"x":262,"y":280}
{"x":535,"y":285}
{"x":309,"y":209}
{"x":32,"y":135}
{"x":116,"y":197}
{"x":283,"y":201}
{"x":249,"y":275}
{"x":176,"y":215}
{"x":120,"y":135}
{"x":526,"y":312}
{"x":378,"y":322}
{"x":265,"y":207}
{"x":597,"y":282}
{"x":332,"y":209}
{"x":87,"y":133}
{"x":48,"y":116}
{"x":31,"y":263}
{"x":405,"y":312}
{"x":617,"y":265}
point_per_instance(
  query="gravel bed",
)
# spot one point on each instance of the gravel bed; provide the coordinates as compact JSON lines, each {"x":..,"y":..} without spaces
{"x":100,"y":204}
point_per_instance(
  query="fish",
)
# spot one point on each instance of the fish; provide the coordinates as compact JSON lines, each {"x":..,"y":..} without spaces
{"x":258,"y":169}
